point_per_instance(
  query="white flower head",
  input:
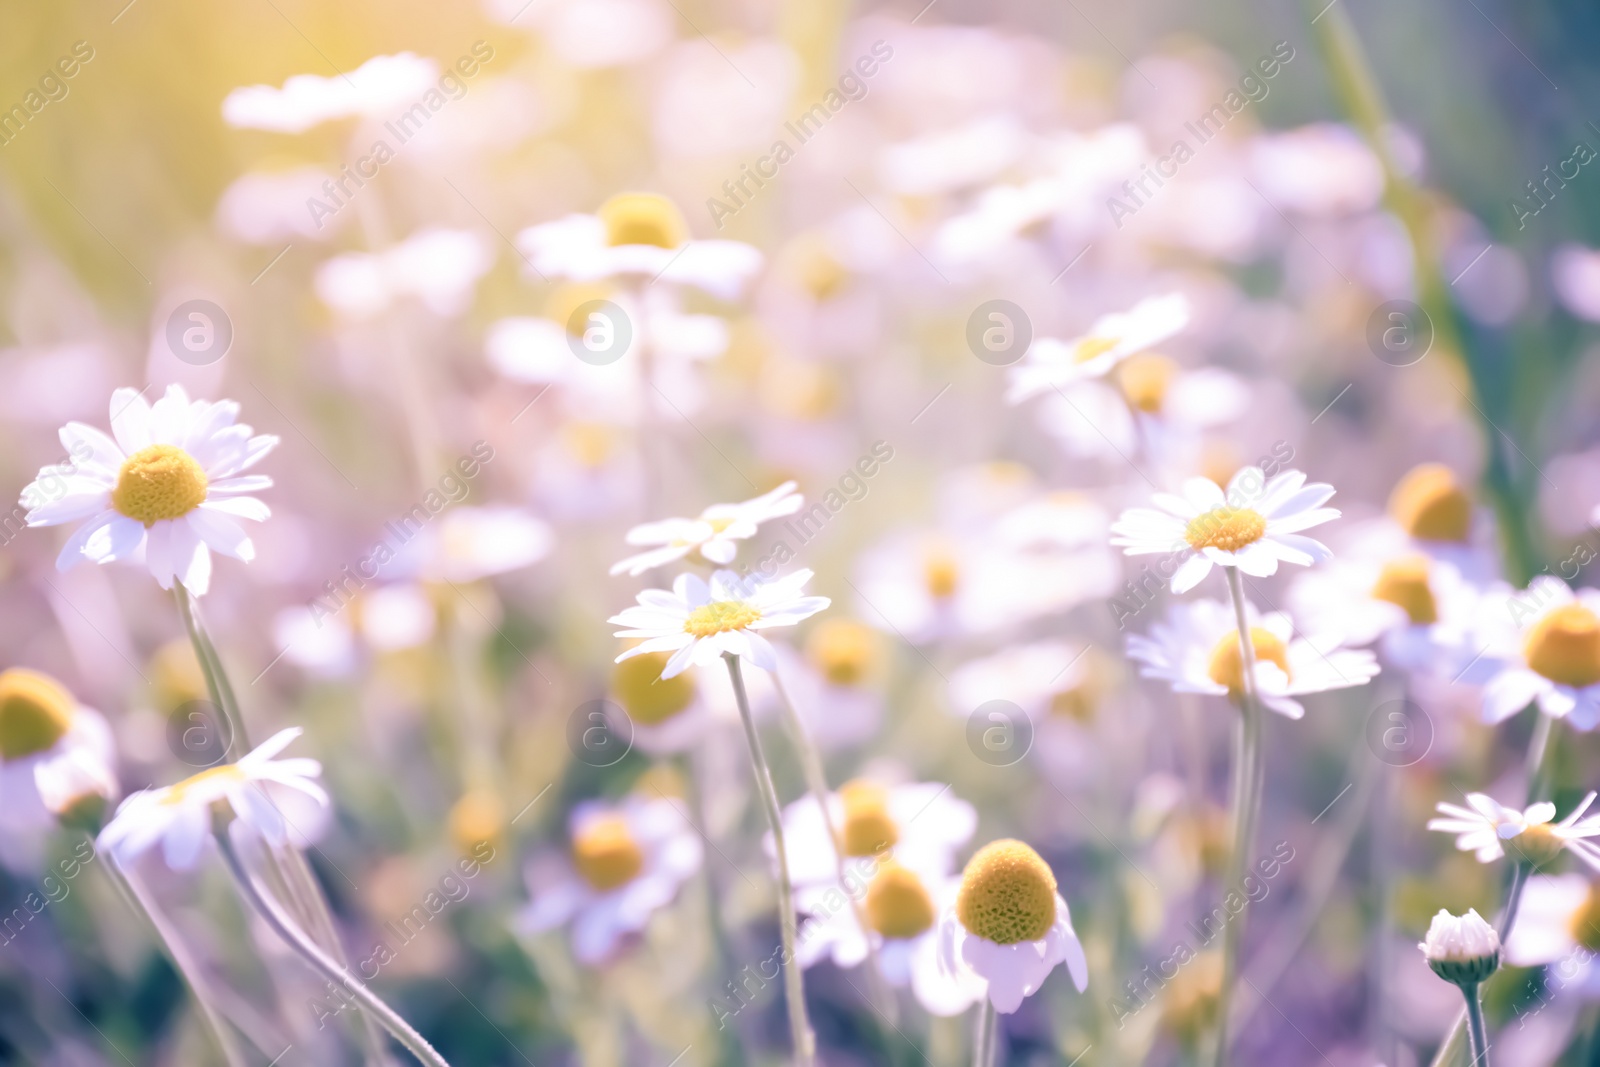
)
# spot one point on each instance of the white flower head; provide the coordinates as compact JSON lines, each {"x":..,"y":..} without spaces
{"x":713,"y":534}
{"x":1252,"y":526}
{"x":698,"y":622}
{"x":267,"y":795}
{"x":1542,"y":645}
{"x":920,"y":824}
{"x":1051,"y":364}
{"x":380,"y":84}
{"x":54,"y":752}
{"x":1463,"y":949}
{"x":168,"y":487}
{"x":1197,"y":650}
{"x":1488,"y":828}
{"x":1558,"y":922}
{"x":626,"y":861}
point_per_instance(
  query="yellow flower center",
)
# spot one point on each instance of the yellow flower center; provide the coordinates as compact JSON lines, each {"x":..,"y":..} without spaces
{"x":1431,"y":505}
{"x":816,"y":269}
{"x":1090,"y":347}
{"x":567,"y":299}
{"x":718,"y":525}
{"x":1585,"y":922}
{"x":1227,"y":660}
{"x":647,"y":697}
{"x":1008,"y":894}
{"x":1145,"y":379}
{"x":1564,"y":646}
{"x":1078,"y":702}
{"x":720,"y":616}
{"x":1405,"y":582}
{"x":941,"y":572}
{"x":159,"y":482}
{"x":868,"y":828}
{"x":177,"y":794}
{"x":591,"y":443}
{"x":477,"y":817}
{"x":606,"y":854}
{"x":35,"y":712}
{"x":1189,"y":1010}
{"x":843,"y":650}
{"x":1537,"y":845}
{"x":897,"y":904}
{"x":643,"y":219}
{"x":1229,"y":529}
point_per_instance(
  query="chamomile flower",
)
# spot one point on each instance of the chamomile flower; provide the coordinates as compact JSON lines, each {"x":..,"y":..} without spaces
{"x":1252,"y":526}
{"x":1009,"y":927}
{"x":664,"y":715}
{"x":1543,"y":645}
{"x":1051,"y":364}
{"x":379,"y":85}
{"x":1436,"y":515}
{"x":1196,"y":650}
{"x":54,"y":752}
{"x":1463,"y":949}
{"x":1559,"y":920}
{"x":920,"y":824}
{"x":713,"y":534}
{"x":698,"y":622}
{"x":266,"y":794}
{"x":625,"y":862}
{"x":639,"y":236}
{"x":1488,"y":828}
{"x":168,"y":488}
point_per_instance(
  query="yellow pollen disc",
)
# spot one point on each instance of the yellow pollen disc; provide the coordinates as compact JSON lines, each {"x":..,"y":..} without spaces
{"x":1537,"y":845}
{"x":1008,"y":894}
{"x":178,"y":793}
{"x":897,"y":904}
{"x":941,"y":573}
{"x":606,"y":854}
{"x":1145,"y":379}
{"x":1078,"y":702}
{"x":1564,"y":646}
{"x":1405,"y":582}
{"x":718,"y":525}
{"x":868,"y":828}
{"x":590,"y":443}
{"x":647,"y":697}
{"x":1090,"y":347}
{"x":1189,"y":1009}
{"x":35,"y":712}
{"x":1431,"y":505}
{"x":1229,"y":529}
{"x":643,"y":219}
{"x":844,"y":651}
{"x":477,"y":817}
{"x":159,"y":482}
{"x":720,"y":616}
{"x":816,"y":269}
{"x":567,"y":299}
{"x":1227,"y":661}
{"x":1585,"y":922}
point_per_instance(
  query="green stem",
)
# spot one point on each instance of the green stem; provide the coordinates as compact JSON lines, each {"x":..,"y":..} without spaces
{"x":1538,"y":746}
{"x":1477,"y":1040}
{"x":730,"y":1043}
{"x":1247,"y":783}
{"x":986,"y":1034}
{"x":793,"y":984}
{"x":217,"y":684}
{"x":318,"y":960}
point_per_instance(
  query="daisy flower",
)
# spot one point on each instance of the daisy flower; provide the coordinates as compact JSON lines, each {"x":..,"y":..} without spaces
{"x":712,"y":534}
{"x":268,"y":795}
{"x":665,"y":715}
{"x":919,"y":824}
{"x":1009,"y":927}
{"x":1252,"y":525}
{"x":1558,"y":921}
{"x":381,"y":84}
{"x":1485,"y":823}
{"x":626,"y":862}
{"x":1153,"y":403}
{"x":639,"y":236}
{"x":54,"y":752}
{"x":1197,"y":651}
{"x":1436,"y":516}
{"x":1051,"y":364}
{"x":1543,"y":646}
{"x":168,"y":487}
{"x":697,"y":622}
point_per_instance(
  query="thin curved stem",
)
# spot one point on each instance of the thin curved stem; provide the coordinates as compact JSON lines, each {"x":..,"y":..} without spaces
{"x":1248,"y":771}
{"x":793,"y":984}
{"x":318,"y":960}
{"x":1477,"y":1039}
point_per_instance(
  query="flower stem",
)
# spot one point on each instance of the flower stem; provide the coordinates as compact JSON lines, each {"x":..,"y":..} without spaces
{"x":319,"y":961}
{"x":217,"y":683}
{"x":986,"y":1035}
{"x":1247,"y":783}
{"x":793,"y":984}
{"x":1477,"y":1040}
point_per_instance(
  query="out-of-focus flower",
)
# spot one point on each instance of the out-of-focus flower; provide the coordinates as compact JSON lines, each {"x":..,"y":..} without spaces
{"x":834,"y":684}
{"x":1058,"y":685}
{"x":1153,"y":405}
{"x":268,"y":207}
{"x":1433,"y":509}
{"x":666,"y":714}
{"x":920,"y":824}
{"x":1575,"y":272}
{"x":640,"y":237}
{"x":1559,"y":920}
{"x":1009,"y":926}
{"x":1463,"y":949}
{"x":712,"y":534}
{"x":257,"y":789}
{"x":1485,"y":823}
{"x":306,"y":100}
{"x":54,"y":753}
{"x":471,"y":543}
{"x":167,"y":489}
{"x":594,"y":34}
{"x":1197,"y":651}
{"x":1250,"y":526}
{"x":697,"y":622}
{"x":1543,"y":644}
{"x":1051,"y":364}
{"x":1321,"y":169}
{"x":626,"y":862}
{"x":438,"y":266}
